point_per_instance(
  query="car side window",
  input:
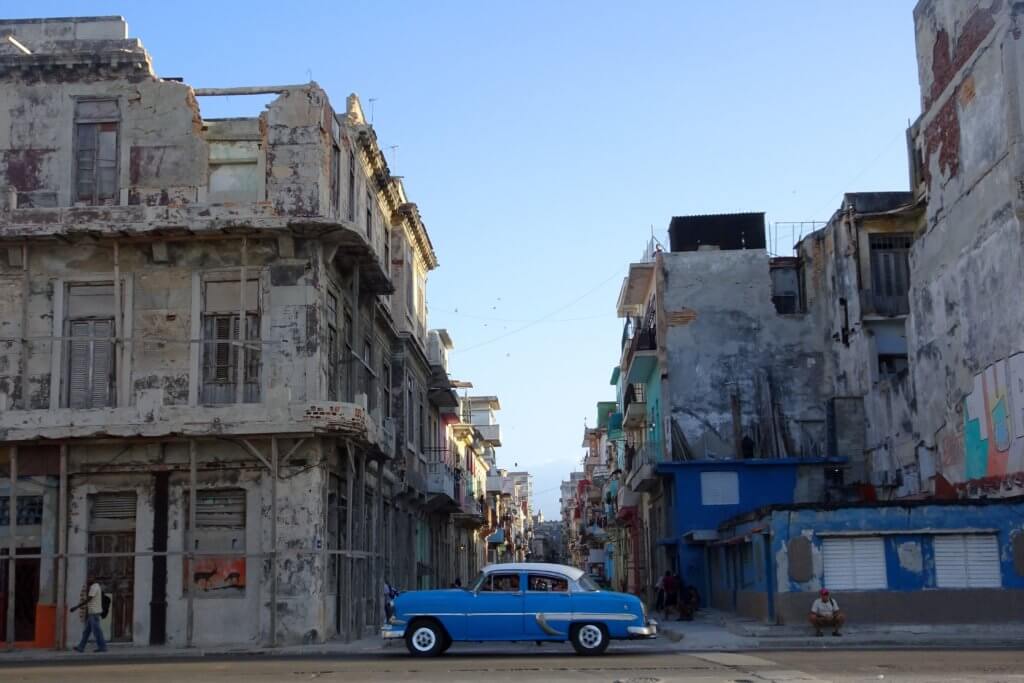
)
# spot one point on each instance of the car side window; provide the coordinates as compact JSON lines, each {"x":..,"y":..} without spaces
{"x":547,"y":584}
{"x":501,"y":583}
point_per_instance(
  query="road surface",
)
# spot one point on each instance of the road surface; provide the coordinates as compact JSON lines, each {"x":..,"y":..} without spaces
{"x":524,"y":665}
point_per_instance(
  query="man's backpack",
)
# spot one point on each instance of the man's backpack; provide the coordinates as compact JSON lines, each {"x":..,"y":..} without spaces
{"x":106,"y":605}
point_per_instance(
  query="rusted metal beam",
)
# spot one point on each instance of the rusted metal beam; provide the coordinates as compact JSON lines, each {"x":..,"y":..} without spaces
{"x":295,"y":449}
{"x":256,"y":453}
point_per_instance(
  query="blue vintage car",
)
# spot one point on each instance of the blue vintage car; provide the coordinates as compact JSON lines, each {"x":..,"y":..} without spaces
{"x":521,"y":601}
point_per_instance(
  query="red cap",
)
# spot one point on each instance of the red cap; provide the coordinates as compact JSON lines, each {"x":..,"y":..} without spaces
{"x":824,"y":591}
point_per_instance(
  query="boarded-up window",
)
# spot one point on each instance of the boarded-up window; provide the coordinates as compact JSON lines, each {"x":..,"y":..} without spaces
{"x":89,"y":347}
{"x":96,"y":129}
{"x":890,"y":273}
{"x":222,"y":345}
{"x":963,"y":561}
{"x":719,"y":488}
{"x":234,"y":171}
{"x":220,"y":528}
{"x":854,"y":563}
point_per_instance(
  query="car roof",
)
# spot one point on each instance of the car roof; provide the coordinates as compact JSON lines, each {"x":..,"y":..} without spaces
{"x":564,"y":569}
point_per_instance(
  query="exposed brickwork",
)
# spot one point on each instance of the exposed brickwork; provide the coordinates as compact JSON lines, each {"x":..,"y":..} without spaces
{"x":943,"y":136}
{"x":944,"y":64}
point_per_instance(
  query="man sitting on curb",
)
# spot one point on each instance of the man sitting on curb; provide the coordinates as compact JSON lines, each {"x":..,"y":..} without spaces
{"x":825,"y":612}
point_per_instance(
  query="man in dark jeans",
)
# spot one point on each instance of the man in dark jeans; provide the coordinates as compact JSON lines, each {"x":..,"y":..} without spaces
{"x":93,"y":604}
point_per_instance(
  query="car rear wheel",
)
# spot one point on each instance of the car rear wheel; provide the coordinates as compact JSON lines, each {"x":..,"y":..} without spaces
{"x":589,"y":639}
{"x":425,"y":638}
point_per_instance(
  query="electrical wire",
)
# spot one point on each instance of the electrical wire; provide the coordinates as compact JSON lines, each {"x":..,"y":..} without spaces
{"x":543,"y":318}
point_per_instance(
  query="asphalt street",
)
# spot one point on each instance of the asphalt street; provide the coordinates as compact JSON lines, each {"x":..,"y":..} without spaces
{"x":521,"y":664}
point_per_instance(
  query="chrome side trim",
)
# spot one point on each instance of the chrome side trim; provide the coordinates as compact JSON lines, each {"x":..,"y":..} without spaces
{"x":388,"y":633}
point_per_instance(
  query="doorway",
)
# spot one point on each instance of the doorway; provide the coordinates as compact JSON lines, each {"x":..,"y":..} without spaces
{"x":26,"y":587}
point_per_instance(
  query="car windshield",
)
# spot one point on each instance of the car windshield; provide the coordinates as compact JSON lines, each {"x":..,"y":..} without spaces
{"x":587,"y":584}
{"x":474,"y":585}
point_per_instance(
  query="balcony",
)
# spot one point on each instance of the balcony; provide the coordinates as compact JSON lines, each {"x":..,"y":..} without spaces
{"x":635,"y":407}
{"x":494,"y":482}
{"x":491,"y":434}
{"x":640,"y":354}
{"x":641,"y":463}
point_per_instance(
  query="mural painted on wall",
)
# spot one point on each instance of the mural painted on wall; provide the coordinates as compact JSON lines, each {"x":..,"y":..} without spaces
{"x":992,"y":441}
{"x":218,"y":573}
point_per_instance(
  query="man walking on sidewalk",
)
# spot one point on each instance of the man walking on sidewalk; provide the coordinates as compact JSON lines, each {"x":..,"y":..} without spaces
{"x":93,"y":604}
{"x":825,"y":612}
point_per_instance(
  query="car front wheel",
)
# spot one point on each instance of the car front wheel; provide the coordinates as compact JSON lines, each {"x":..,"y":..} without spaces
{"x":425,"y":639}
{"x":589,"y":639}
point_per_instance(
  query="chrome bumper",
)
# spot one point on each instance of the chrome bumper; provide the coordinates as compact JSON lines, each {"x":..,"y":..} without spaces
{"x":391,"y":632}
{"x":648,"y":631}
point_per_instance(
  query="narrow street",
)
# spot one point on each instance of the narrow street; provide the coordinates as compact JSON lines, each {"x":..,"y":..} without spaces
{"x":496,"y":665}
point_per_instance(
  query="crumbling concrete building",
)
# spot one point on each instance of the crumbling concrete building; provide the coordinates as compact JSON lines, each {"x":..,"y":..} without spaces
{"x":205,"y":334}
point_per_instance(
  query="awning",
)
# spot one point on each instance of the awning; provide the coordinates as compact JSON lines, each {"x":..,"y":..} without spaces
{"x":497,"y":537}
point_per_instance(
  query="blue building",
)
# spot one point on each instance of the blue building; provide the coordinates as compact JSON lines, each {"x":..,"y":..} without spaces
{"x":705,"y":493}
{"x":903,"y":561}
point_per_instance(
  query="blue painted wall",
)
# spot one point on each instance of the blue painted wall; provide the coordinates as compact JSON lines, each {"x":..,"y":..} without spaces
{"x":761,"y":483}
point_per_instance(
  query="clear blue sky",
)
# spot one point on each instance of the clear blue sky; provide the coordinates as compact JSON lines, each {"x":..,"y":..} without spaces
{"x":542,"y":140}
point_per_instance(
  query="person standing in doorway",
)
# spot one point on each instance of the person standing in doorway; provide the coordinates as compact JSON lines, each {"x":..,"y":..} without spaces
{"x":93,"y":604}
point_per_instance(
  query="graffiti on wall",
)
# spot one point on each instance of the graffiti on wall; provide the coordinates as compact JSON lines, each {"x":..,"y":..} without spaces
{"x":991,"y":443}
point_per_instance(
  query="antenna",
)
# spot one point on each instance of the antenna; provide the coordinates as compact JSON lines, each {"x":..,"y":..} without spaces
{"x":309,"y":74}
{"x":394,"y":154}
{"x":371,"y":101}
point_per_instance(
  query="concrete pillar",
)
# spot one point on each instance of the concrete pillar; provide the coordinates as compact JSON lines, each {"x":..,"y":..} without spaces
{"x":190,"y":545}
{"x":273,"y":540}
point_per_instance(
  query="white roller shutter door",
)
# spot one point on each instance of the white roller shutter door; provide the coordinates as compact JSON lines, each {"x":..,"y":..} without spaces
{"x":967,"y":561}
{"x":854,"y":563}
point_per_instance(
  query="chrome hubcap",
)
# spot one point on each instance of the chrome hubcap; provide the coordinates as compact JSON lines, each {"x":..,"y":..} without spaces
{"x":591,"y":636}
{"x":423,"y":639}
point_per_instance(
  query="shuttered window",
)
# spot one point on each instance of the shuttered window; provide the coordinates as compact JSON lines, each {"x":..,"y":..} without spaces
{"x":113,"y":506}
{"x":89,"y":347}
{"x":719,"y":488}
{"x":967,"y":561}
{"x":220,"y":509}
{"x":890,"y":273}
{"x":854,"y":563}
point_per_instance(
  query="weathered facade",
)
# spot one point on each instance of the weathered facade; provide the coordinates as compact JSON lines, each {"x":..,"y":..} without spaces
{"x":214,"y":373}
{"x":966,"y":346}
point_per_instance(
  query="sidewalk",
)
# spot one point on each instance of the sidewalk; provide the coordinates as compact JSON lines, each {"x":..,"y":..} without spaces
{"x":758,"y":635}
{"x":712,"y":630}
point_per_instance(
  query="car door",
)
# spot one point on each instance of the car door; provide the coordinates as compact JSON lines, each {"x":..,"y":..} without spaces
{"x":496,"y":610}
{"x":547,"y":608}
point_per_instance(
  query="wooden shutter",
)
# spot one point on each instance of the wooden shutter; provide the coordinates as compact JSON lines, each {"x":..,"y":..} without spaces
{"x":79,"y":362}
{"x":102,"y":363}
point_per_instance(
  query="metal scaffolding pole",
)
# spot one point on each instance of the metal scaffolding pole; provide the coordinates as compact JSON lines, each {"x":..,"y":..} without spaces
{"x":273,"y":541}
{"x":378,"y":546}
{"x":12,"y":547}
{"x":361,"y":564}
{"x":190,"y":547}
{"x":62,"y":549}
{"x":350,"y":471}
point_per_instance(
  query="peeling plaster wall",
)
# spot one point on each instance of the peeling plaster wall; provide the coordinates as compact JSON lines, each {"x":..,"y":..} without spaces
{"x":837,"y":267}
{"x":736,"y":339}
{"x":966,"y":346}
